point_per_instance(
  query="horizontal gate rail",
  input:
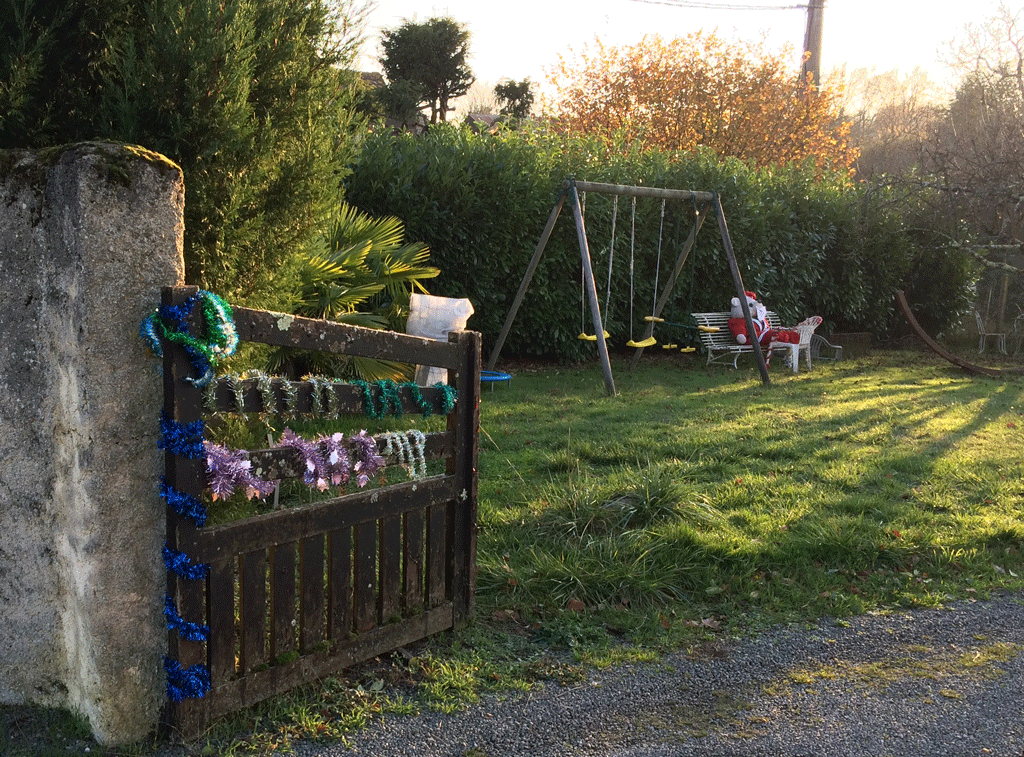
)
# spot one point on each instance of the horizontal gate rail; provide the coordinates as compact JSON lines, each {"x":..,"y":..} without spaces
{"x":263,"y":531}
{"x":280,"y":330}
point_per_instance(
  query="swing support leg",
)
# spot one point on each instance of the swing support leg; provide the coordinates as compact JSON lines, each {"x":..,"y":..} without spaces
{"x":734,"y":267}
{"x":527,"y":277}
{"x":702,"y":213}
{"x":591,"y":286}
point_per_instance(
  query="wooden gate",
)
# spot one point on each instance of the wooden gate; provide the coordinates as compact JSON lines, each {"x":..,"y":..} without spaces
{"x":300,"y":593}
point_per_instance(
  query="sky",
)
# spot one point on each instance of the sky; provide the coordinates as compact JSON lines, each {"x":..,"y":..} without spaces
{"x":523,"y":38}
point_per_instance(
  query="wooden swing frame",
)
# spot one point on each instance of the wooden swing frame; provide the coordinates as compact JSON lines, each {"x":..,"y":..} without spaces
{"x":706,"y":203}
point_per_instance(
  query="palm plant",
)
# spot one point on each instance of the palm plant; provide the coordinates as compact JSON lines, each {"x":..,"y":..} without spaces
{"x":362,"y":276}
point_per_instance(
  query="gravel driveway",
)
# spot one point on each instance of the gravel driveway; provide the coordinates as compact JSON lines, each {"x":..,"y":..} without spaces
{"x":926,"y":683}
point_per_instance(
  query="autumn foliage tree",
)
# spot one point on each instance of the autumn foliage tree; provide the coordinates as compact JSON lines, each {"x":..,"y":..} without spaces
{"x":701,"y":91}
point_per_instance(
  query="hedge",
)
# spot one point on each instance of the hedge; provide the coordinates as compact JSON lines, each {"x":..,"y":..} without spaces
{"x":807,"y":244}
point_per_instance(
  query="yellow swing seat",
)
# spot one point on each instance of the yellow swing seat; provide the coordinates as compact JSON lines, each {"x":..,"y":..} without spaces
{"x":709,"y":329}
{"x":591,"y":337}
{"x":653,"y":319}
{"x":648,"y":342}
{"x":669,"y":346}
{"x":688,"y":349}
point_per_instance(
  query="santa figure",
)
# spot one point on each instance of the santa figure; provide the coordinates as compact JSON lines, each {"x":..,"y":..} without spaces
{"x":758,"y":315}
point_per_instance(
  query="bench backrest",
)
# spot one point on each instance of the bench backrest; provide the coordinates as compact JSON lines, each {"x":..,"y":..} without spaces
{"x":724,"y":337}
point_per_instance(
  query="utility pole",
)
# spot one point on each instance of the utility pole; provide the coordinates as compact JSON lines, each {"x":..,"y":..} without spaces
{"x":812,"y":41}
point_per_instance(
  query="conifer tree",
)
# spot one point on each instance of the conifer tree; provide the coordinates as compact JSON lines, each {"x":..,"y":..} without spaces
{"x":249,"y":98}
{"x":432,"y":58}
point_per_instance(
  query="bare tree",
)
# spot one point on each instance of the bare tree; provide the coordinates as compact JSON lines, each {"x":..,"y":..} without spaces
{"x":976,"y":153}
{"x":892,"y":115}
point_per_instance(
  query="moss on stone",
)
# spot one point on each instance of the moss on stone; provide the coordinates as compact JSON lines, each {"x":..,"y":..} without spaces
{"x":32,"y":166}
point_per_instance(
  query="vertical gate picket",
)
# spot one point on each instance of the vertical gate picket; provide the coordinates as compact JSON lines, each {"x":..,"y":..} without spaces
{"x":364,"y":577}
{"x":222,"y":619}
{"x":412,"y":561}
{"x":183,"y":404}
{"x":436,"y":526}
{"x":339,"y":604}
{"x":253,"y":610}
{"x":311,"y":623}
{"x":461,"y":551}
{"x":390,"y":568}
{"x":282,"y":609}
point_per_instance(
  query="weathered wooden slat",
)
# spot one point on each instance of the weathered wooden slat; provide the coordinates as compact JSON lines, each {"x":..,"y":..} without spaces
{"x":283,"y":330}
{"x":282,"y":603}
{"x":412,"y":561}
{"x":221,"y":598}
{"x":436,"y":531}
{"x":339,"y":589}
{"x":311,"y":594}
{"x":364,"y":578}
{"x":254,"y":688}
{"x":283,"y":462}
{"x":253,"y":610}
{"x":266,"y":530}
{"x":390,"y":562}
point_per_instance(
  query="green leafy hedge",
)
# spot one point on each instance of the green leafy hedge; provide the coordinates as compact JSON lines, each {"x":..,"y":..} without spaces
{"x":807,"y":245}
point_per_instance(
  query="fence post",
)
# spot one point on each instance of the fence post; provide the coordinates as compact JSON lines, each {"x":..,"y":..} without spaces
{"x":183,"y":403}
{"x":88,"y":235}
{"x":466,"y":423}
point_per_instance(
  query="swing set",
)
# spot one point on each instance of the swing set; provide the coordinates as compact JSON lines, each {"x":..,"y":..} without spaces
{"x":706,"y":202}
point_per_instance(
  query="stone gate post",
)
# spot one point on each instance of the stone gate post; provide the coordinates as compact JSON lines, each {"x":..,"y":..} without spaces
{"x":88,"y":235}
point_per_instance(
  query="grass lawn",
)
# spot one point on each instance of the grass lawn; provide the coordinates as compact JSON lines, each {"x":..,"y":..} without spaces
{"x":699,"y":504}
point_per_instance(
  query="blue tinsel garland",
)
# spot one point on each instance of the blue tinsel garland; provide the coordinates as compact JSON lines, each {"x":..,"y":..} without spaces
{"x":179,"y":563}
{"x":183,"y":439}
{"x":185,"y":629}
{"x":186,"y":683}
{"x":186,"y":440}
{"x":184,"y":504}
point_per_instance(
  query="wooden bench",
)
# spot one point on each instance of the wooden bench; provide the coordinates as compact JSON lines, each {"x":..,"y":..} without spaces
{"x":722,"y":346}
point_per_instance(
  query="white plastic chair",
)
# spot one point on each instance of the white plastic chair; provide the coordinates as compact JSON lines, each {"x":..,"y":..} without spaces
{"x":806,"y":328}
{"x":818,"y":342}
{"x":983,"y":335}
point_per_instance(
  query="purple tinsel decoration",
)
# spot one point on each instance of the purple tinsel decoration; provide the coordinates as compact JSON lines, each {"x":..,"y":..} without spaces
{"x":184,"y":504}
{"x":179,"y":562}
{"x":337,"y":458}
{"x":187,"y":683}
{"x":368,"y":462}
{"x":230,"y":469}
{"x":184,"y":439}
{"x":186,"y":629}
{"x":315,"y":473}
